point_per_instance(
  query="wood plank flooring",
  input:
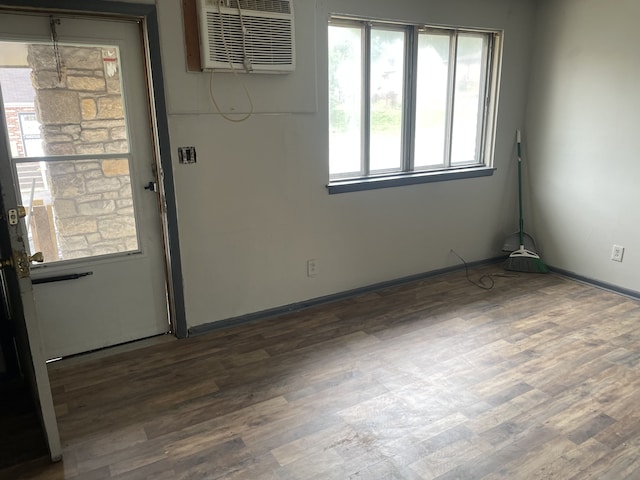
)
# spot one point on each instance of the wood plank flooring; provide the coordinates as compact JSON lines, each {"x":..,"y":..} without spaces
{"x":538,"y":378}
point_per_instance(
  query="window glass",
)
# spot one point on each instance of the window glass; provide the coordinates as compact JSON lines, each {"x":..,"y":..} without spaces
{"x":398,"y":106}
{"x":345,"y":100}
{"x":67,"y":129}
{"x":431,"y":100}
{"x":386,"y":100}
{"x":468,"y":99}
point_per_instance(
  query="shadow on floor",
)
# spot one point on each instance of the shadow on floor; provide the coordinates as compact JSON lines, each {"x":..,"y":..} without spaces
{"x":21,"y":436}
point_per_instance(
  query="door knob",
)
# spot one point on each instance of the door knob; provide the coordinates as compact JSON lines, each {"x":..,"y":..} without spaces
{"x":21,"y":262}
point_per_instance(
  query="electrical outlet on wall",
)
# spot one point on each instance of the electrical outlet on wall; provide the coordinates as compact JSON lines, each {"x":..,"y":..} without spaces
{"x":312,"y":267}
{"x":617,"y":253}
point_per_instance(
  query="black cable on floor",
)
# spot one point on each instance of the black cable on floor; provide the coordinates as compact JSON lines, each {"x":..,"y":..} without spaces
{"x":485,"y":282}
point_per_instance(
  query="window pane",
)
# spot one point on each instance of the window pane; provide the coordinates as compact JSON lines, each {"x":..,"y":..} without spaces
{"x":470,"y":81}
{"x":77,"y":110}
{"x":30,"y":130}
{"x":78,"y":208}
{"x":345,"y":101}
{"x":387,"y":80}
{"x":431,"y":100}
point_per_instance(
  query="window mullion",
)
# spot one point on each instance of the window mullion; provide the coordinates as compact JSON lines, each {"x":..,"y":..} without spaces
{"x":410,"y":95}
{"x":65,"y":158}
{"x":366,"y":98}
{"x":453,"y":54}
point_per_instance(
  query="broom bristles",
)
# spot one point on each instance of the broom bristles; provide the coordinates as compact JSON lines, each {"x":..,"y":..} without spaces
{"x":523,"y":260}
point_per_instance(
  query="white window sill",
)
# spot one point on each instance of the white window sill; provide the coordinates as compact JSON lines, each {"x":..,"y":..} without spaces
{"x":399,"y":180}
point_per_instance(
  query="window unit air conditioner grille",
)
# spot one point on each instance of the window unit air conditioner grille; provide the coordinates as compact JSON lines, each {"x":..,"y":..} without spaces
{"x":273,"y":6}
{"x":259,"y":36}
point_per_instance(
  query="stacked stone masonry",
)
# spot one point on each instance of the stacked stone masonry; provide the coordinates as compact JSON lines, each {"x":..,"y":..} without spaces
{"x":80,"y":109}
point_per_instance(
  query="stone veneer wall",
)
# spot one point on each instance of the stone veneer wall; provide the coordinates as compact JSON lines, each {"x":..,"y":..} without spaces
{"x":83,"y":114}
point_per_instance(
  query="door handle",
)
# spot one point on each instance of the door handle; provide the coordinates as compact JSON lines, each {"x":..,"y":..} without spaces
{"x":21,"y":262}
{"x":36,"y":257}
{"x":60,"y":278}
{"x":151,"y":186}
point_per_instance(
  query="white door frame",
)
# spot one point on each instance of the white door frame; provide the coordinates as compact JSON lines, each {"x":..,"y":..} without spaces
{"x":147,"y":14}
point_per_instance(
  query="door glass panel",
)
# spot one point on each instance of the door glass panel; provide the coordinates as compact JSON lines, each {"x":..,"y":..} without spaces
{"x":60,"y":105}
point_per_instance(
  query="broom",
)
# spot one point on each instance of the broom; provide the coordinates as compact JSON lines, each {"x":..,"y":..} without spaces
{"x":523,"y":259}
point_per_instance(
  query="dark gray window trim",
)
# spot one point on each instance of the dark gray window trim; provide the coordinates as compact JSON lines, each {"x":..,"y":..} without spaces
{"x":372,"y":183}
{"x":149,"y":14}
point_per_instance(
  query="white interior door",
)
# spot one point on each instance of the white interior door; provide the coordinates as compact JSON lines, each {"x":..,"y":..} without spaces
{"x":77,"y":117}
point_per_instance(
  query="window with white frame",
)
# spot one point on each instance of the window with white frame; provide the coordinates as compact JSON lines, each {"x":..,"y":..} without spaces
{"x":409,"y":102}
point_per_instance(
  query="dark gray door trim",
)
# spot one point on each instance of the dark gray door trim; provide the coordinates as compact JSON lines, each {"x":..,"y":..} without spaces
{"x":149,"y":14}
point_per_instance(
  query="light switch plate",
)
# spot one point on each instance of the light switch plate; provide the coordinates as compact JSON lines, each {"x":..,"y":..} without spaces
{"x":187,"y":155}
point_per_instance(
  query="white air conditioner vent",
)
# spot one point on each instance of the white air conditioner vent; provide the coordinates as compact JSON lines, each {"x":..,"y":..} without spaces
{"x":257,"y":37}
{"x":273,"y":6}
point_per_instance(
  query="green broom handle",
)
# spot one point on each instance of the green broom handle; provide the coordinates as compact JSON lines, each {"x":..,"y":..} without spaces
{"x":519,"y":140}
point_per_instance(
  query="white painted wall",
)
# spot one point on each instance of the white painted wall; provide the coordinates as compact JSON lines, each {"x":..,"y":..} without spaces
{"x":255,"y":208}
{"x":582,"y":132}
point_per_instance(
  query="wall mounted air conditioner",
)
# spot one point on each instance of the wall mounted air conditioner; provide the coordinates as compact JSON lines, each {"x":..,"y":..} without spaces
{"x":247,"y":35}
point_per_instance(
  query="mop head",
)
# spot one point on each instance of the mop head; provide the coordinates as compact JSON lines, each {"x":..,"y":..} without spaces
{"x":523,"y":260}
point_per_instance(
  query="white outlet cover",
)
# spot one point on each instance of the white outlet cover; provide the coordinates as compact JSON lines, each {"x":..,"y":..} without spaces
{"x":617,"y":253}
{"x":312,"y":267}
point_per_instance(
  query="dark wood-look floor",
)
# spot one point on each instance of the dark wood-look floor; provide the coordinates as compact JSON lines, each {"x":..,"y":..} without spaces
{"x":536,"y":378}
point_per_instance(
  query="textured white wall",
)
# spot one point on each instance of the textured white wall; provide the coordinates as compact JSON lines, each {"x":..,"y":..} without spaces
{"x":255,"y":208}
{"x":583,"y":119}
